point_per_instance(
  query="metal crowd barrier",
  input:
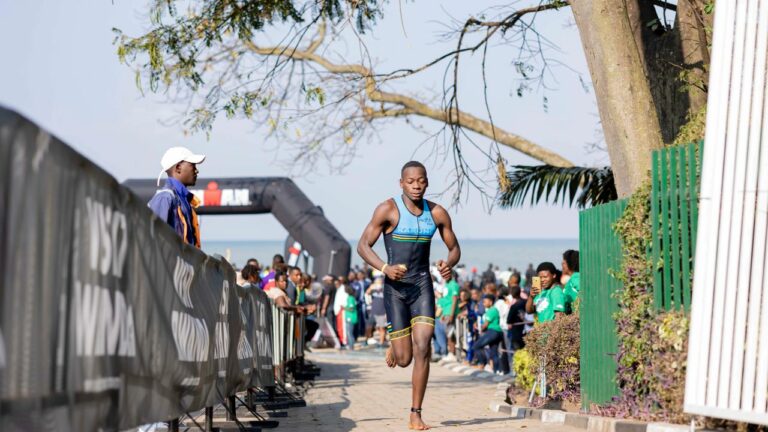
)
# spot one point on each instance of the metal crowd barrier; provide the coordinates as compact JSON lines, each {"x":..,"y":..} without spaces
{"x":287,"y":352}
{"x":462,"y":329}
{"x":287,"y":339}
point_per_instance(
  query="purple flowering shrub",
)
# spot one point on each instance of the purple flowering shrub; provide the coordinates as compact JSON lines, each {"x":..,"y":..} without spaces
{"x":653,"y":344}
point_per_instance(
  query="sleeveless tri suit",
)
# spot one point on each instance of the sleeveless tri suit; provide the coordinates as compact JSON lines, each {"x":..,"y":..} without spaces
{"x":410,"y":300}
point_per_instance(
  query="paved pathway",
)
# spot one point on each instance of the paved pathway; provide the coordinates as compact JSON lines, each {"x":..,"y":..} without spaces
{"x":357,"y":392}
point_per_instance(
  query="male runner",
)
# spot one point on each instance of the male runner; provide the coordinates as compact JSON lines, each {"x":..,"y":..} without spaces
{"x":408,"y":222}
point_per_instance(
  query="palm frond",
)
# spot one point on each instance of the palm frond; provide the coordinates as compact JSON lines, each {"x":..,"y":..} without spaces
{"x":583,"y":186}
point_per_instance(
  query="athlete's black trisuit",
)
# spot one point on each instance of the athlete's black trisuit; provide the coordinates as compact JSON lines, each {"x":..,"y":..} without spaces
{"x":411,"y":299}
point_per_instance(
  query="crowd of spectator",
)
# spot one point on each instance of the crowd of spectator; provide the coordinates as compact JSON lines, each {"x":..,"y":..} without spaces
{"x":493,"y":310}
{"x":350,"y":308}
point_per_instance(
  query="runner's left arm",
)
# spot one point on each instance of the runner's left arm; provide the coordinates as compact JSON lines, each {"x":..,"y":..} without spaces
{"x":444,"y":225}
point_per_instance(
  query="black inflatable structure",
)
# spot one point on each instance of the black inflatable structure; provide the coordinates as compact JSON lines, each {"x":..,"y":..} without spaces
{"x":280,"y":196}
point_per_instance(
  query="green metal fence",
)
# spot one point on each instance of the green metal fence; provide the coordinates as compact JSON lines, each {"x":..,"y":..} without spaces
{"x":675,"y":174}
{"x":600,"y":252}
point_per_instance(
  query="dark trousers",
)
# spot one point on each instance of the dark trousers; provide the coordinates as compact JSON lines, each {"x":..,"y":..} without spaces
{"x":311,"y":329}
{"x":506,"y":354}
{"x":490,"y":339}
{"x":360,"y":326}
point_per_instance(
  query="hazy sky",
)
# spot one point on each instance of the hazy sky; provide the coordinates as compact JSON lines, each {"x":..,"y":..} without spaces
{"x":60,"y":69}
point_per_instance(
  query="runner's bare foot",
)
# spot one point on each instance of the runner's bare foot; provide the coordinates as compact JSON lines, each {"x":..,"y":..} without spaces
{"x":416,"y":423}
{"x":389,"y":357}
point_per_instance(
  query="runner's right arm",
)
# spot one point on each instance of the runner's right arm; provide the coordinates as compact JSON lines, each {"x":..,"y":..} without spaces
{"x":378,"y":224}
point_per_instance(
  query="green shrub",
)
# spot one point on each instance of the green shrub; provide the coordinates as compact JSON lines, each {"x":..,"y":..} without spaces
{"x":523,"y":369}
{"x":555,"y":345}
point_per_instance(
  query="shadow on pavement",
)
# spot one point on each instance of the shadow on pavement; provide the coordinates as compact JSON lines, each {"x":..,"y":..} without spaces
{"x":475,"y":422}
{"x":322,"y":416}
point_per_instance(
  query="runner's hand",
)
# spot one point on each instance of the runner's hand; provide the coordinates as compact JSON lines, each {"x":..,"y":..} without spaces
{"x":444,"y":269}
{"x":395,"y":271}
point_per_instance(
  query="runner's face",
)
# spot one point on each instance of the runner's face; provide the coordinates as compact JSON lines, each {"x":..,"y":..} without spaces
{"x":414,"y":183}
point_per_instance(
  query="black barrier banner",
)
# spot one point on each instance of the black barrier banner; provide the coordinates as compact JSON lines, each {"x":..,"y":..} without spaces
{"x":107,"y":320}
{"x":257,"y":311}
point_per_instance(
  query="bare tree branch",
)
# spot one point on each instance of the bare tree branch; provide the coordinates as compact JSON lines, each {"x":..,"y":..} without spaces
{"x":510,"y":20}
{"x":505,"y":24}
{"x":451,"y":117}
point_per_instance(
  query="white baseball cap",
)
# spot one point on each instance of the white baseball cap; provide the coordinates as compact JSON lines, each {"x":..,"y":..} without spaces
{"x":175,"y":155}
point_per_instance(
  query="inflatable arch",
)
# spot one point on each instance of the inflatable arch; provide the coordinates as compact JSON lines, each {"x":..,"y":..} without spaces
{"x":280,"y":196}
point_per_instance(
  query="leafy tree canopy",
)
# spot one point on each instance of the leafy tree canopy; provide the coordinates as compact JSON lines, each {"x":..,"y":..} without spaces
{"x":183,"y":35}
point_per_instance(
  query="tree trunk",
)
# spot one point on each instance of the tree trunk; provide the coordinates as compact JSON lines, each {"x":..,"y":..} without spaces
{"x":675,"y":60}
{"x":627,"y":109}
{"x":691,"y":25}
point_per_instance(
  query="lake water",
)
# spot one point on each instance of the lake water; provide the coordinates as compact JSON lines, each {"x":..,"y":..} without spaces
{"x":478,"y":253}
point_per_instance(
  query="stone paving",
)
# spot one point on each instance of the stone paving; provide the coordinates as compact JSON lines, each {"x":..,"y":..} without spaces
{"x":359,"y":393}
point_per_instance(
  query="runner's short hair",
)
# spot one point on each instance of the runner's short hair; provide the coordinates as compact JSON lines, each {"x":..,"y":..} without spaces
{"x":412,"y":164}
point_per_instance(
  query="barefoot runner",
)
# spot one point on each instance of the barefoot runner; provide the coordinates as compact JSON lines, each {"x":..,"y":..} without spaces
{"x":408,"y":223}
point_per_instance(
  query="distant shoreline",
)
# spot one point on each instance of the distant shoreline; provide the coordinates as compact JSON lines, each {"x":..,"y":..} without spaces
{"x":558,"y":239}
{"x":475,"y":252}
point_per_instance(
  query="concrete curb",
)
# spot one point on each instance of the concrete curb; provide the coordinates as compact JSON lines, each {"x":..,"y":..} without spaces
{"x":472,"y":372}
{"x":587,"y":422}
{"x":666,"y":427}
{"x":581,"y":421}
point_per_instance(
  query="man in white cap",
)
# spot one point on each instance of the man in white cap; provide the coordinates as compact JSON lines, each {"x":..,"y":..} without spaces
{"x":174,"y":203}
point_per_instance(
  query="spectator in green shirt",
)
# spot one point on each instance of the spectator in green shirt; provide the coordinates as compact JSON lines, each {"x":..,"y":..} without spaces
{"x":571,"y":287}
{"x":546,"y":301}
{"x":350,"y":316}
{"x":447,"y":308}
{"x":491,"y":335}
